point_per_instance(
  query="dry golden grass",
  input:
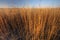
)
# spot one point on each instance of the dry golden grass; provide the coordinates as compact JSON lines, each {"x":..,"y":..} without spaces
{"x":30,"y":24}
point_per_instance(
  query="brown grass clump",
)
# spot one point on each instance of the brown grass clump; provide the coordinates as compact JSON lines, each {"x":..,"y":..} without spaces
{"x":30,"y":24}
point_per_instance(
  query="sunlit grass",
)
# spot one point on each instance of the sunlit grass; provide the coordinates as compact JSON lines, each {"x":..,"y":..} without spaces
{"x":30,"y":24}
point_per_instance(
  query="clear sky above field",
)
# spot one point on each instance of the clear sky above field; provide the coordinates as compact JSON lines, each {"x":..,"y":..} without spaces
{"x":29,"y":3}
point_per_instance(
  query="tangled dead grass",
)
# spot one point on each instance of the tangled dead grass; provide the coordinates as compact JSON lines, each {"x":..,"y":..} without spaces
{"x":30,"y":24}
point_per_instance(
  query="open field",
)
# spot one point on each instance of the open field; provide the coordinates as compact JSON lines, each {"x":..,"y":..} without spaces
{"x":30,"y":24}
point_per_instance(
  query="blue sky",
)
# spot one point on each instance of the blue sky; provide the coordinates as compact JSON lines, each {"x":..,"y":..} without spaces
{"x":29,"y":3}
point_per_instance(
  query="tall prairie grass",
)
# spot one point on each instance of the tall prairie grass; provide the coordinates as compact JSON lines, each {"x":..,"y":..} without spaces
{"x":30,"y":24}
